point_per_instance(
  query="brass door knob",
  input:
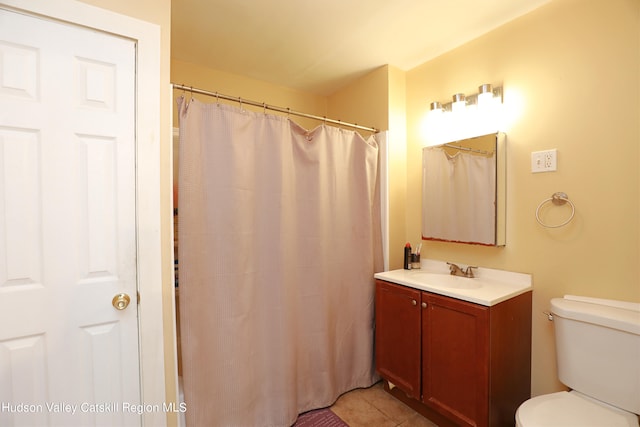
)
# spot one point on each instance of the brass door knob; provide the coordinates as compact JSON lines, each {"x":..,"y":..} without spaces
{"x":120,"y":301}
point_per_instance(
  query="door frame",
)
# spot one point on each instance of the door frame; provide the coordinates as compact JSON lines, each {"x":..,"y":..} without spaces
{"x":147,"y":110}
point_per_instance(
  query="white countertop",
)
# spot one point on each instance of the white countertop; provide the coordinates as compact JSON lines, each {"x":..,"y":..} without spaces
{"x":488,"y":287}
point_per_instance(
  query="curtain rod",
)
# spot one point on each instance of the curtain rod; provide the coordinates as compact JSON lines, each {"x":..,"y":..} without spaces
{"x":193,"y":90}
{"x":473,"y":150}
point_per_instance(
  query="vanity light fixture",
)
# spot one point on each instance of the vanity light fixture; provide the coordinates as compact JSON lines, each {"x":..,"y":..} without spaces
{"x":464,"y":116}
{"x":487,"y":94}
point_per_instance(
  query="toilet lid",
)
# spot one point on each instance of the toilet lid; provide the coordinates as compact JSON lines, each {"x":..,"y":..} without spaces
{"x":571,"y":409}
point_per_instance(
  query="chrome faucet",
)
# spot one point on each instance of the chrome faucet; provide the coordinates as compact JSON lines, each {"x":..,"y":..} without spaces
{"x":457,"y":271}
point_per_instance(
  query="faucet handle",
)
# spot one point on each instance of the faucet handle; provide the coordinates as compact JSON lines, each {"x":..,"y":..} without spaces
{"x":468,"y":272}
{"x":453,"y":268}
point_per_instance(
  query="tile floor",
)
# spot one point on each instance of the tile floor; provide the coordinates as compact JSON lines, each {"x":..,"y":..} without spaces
{"x":374,"y":407}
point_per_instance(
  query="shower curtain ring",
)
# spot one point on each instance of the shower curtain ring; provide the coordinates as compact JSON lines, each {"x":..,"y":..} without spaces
{"x":217,"y":99}
{"x":264,"y":108}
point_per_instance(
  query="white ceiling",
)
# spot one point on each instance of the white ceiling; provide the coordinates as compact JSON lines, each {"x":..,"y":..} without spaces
{"x":318,"y":46}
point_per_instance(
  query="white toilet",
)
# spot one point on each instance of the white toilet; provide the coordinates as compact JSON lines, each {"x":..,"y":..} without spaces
{"x":598,"y":354}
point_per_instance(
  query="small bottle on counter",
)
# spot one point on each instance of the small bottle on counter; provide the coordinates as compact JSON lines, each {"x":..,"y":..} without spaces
{"x":407,"y":256}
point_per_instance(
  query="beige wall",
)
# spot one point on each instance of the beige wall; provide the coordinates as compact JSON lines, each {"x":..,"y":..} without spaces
{"x":571,"y":73}
{"x":397,"y":166}
{"x":370,"y":90}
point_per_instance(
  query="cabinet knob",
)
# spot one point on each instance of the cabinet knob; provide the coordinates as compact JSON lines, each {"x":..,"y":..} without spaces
{"x":414,"y":302}
{"x":424,"y":305}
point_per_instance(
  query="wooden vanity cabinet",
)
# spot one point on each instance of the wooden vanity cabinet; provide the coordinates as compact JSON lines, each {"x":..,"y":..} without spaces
{"x":398,"y":336}
{"x":472,"y":366}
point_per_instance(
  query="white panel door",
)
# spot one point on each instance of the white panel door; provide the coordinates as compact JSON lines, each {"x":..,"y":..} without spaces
{"x":67,"y":225}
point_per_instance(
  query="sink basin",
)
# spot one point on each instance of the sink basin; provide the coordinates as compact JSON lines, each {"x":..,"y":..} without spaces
{"x":445,"y":280}
{"x":491,"y":287}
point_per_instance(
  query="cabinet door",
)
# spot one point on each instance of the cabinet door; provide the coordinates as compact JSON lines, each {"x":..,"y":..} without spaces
{"x":455,"y":359}
{"x":398,"y":336}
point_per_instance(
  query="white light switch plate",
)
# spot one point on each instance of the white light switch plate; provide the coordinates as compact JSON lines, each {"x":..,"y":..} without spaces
{"x":544,"y":161}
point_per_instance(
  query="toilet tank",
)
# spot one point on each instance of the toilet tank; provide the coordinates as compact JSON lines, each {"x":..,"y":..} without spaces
{"x":598,"y":348}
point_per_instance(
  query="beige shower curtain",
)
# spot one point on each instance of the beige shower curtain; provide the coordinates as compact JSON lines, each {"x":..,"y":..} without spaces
{"x":279,"y":241}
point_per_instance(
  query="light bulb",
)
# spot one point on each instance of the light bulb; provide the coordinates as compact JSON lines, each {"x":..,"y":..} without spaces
{"x":485,"y":95}
{"x":459,"y":102}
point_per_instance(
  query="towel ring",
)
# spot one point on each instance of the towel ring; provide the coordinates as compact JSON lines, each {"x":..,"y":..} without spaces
{"x":557,"y":199}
